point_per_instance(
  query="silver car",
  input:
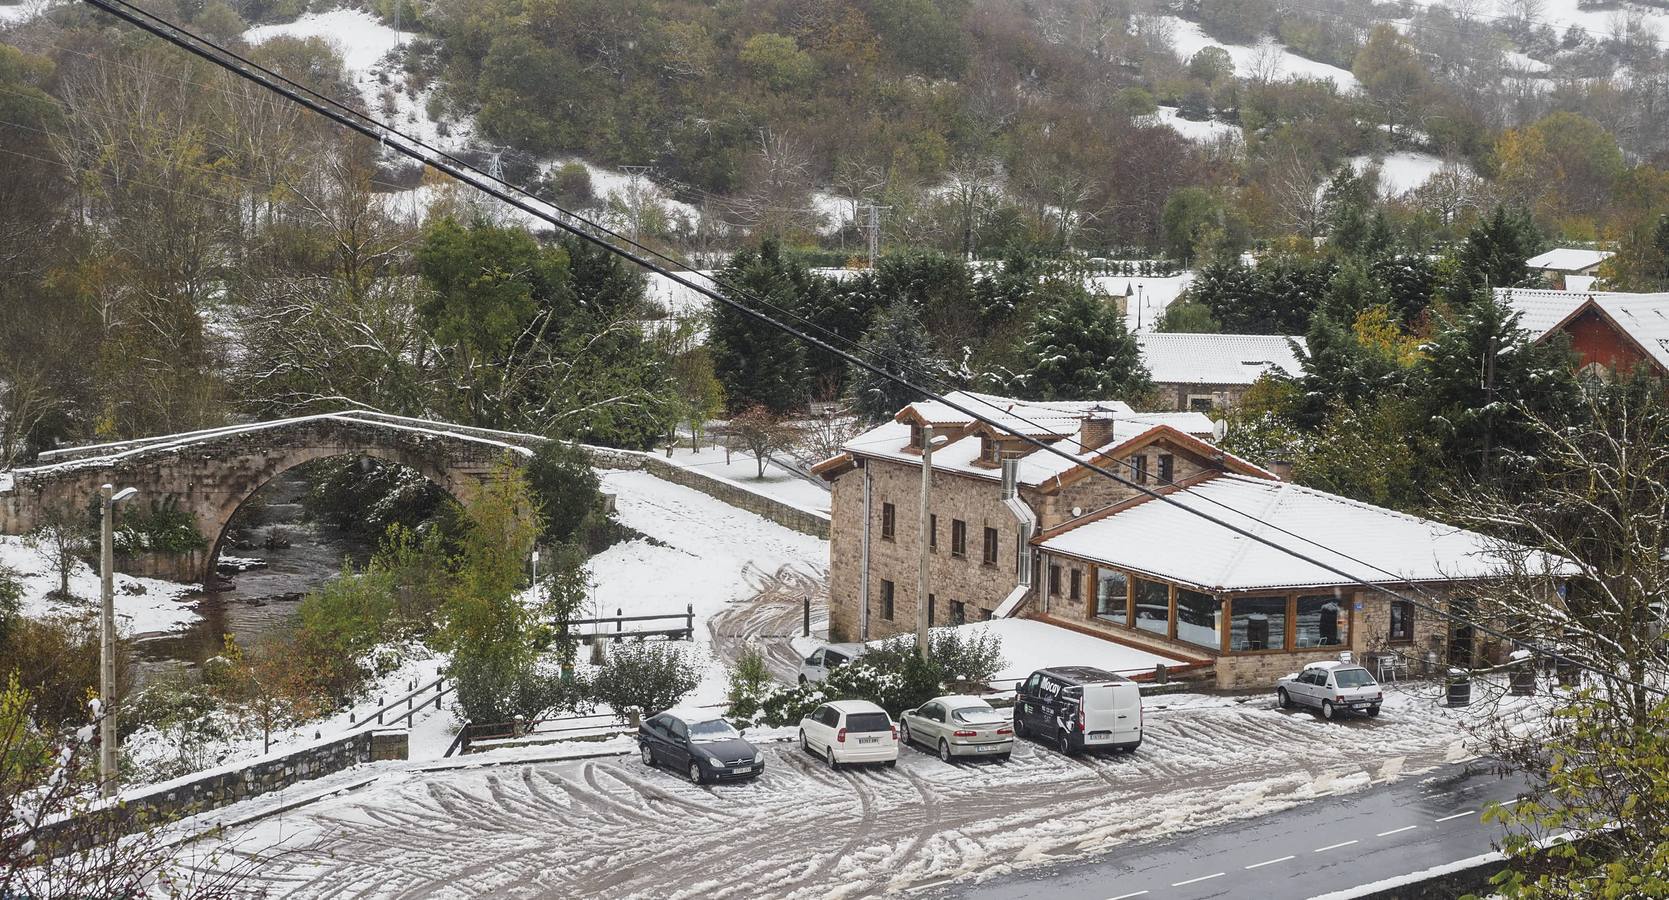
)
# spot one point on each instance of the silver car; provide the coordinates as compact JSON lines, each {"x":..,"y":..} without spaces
{"x":958,"y":726}
{"x":1333,"y":688}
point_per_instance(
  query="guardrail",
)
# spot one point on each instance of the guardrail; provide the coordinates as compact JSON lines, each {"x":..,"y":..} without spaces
{"x":412,"y":706}
{"x":598,"y":724}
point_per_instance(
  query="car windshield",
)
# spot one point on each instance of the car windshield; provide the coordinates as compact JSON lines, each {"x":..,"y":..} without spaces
{"x":976,"y":714}
{"x":712,"y":730}
{"x":1352,"y":678}
{"x":856,"y":722}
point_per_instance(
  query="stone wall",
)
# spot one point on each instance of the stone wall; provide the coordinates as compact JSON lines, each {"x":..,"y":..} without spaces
{"x":805,"y":521}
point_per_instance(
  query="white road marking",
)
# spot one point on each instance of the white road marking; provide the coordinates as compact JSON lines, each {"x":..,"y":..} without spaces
{"x":1127,"y":896}
{"x":1335,"y":846}
{"x":1459,"y":815}
{"x":1270,"y":862}
{"x":1397,"y":830}
{"x":1199,"y":879}
{"x":1506,"y":803}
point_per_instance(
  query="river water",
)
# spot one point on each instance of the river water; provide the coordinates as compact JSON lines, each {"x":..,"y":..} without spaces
{"x":258,"y":602}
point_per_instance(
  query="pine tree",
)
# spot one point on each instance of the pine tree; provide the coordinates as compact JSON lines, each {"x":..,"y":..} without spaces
{"x":756,"y":363}
{"x":897,"y":343}
{"x":1494,"y":254}
{"x":1077,"y":348}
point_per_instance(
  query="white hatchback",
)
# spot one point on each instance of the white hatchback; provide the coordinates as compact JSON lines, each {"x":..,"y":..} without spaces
{"x":850,"y":731}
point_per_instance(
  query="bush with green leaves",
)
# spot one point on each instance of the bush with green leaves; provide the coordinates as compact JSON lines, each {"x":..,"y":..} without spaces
{"x":750,"y":684}
{"x":163,"y":527}
{"x":645,"y":677}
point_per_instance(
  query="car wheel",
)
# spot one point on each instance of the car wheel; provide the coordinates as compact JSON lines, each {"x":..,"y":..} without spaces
{"x":833,"y":763}
{"x":1284,"y":698}
{"x":1004,"y":757}
{"x":1063,"y":742}
{"x":1327,"y":709}
{"x":1019,"y":726}
{"x":1373,"y":710}
{"x":892,"y":763}
{"x":904,"y":732}
{"x":802,"y":679}
{"x":695,"y":773}
{"x":648,"y":756}
{"x":944,"y":750}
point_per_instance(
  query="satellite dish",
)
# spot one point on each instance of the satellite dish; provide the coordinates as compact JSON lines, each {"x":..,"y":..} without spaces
{"x":1219,"y":428}
{"x":1077,"y":511}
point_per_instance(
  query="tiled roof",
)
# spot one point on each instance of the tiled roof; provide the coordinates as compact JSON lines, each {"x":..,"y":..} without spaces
{"x":1643,"y":317}
{"x":1217,"y":358}
{"x":1567,"y":259}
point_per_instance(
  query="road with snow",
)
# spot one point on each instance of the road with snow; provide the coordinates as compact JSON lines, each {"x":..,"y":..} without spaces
{"x":1307,"y":851}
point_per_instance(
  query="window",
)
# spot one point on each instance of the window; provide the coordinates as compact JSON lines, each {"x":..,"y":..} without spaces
{"x":1153,"y":606}
{"x":932,"y":601}
{"x":989,"y":451}
{"x":986,"y":614}
{"x":916,"y":433}
{"x":958,"y":538}
{"x":1321,"y":622}
{"x":1077,"y":585}
{"x":958,"y":613}
{"x":1111,"y":596}
{"x":1257,"y":623}
{"x":1167,"y":468}
{"x":889,"y":521}
{"x":886,"y":599}
{"x":1201,"y":403}
{"x":1054,"y":581}
{"x":678,"y":730}
{"x":933,"y":533}
{"x":990,"y":546}
{"x":1199,"y":618}
{"x":1402,"y":621}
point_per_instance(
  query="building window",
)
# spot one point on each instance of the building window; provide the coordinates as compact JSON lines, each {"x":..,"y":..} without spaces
{"x":990,"y":546}
{"x":1167,"y":468}
{"x":889,"y":521}
{"x":1112,"y":589}
{"x":1199,"y":618}
{"x":1201,"y":403}
{"x":958,"y":538}
{"x":1054,"y":581}
{"x":1257,"y":623}
{"x":1138,"y":467}
{"x":1402,"y":621}
{"x":958,"y":613}
{"x":1321,"y":622}
{"x":886,"y":599}
{"x":933,"y":533}
{"x":990,"y":451}
{"x":916,"y":434}
{"x":987,"y":614}
{"x":1077,"y":585}
{"x":932,"y":601}
{"x":1153,"y":606}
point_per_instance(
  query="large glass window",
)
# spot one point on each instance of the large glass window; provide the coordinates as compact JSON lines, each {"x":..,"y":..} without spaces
{"x":1199,"y":618}
{"x":1322,"y":622}
{"x":1111,"y":592}
{"x":1153,"y":606}
{"x":1258,"y":623}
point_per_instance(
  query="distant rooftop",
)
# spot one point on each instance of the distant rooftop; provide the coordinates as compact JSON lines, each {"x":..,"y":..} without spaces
{"x":1568,"y":259}
{"x":1643,"y":317}
{"x":1217,"y":358}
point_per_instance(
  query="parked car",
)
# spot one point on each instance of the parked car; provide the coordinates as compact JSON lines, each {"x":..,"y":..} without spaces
{"x":1332,"y":687}
{"x":958,"y":726}
{"x":826,"y":659}
{"x":850,"y":731}
{"x":700,"y":744}
{"x":1079,"y":708}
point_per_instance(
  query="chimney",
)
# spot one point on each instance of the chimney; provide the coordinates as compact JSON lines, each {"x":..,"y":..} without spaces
{"x":1097,"y":430}
{"x":1282,"y":469}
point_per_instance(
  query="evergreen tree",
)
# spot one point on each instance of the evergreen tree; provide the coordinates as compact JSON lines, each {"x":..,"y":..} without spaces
{"x":1494,"y":254}
{"x":756,"y":363}
{"x":1077,"y":348}
{"x":898,"y":344}
{"x":845,"y":308}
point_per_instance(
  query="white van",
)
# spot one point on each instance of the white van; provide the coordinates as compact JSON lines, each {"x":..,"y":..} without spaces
{"x":1078,"y":708}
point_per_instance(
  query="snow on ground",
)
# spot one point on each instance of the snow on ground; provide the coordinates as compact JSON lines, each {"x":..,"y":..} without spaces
{"x":1207,"y":132}
{"x":1029,"y":645}
{"x":697,"y":551}
{"x":1525,"y":63}
{"x":677,"y":299}
{"x":1598,"y":22}
{"x":1148,"y":297}
{"x":1402,"y":171}
{"x":143,"y":605}
{"x":1270,"y":58}
{"x":778,"y":483}
{"x":23,"y":12}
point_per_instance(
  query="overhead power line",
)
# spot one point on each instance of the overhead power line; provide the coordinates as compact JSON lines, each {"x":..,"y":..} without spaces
{"x":591,"y":233}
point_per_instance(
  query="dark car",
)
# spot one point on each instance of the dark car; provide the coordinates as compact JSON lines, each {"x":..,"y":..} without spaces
{"x":1079,"y":708}
{"x":698,"y":743}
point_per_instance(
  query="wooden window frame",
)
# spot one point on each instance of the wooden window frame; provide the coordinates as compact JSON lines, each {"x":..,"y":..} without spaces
{"x":889,"y":596}
{"x":889,"y":522}
{"x":1054,"y":579}
{"x":933,"y":533}
{"x":1167,"y":468}
{"x":958,"y":539}
{"x":990,"y":546}
{"x":1391,"y":637}
{"x":1077,"y":588}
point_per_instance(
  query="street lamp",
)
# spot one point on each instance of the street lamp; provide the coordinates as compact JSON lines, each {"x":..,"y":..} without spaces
{"x":107,"y":636}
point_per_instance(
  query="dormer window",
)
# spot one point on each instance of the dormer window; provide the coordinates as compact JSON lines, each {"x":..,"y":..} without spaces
{"x":990,"y":451}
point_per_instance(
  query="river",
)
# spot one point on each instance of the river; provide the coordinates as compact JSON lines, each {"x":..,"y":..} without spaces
{"x":262,"y":601}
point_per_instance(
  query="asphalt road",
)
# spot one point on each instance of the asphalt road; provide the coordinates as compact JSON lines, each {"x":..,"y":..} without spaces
{"x":1313,"y":849}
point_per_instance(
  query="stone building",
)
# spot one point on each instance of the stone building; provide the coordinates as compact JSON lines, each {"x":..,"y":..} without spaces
{"x":1202,"y":372}
{"x":1017,"y":531}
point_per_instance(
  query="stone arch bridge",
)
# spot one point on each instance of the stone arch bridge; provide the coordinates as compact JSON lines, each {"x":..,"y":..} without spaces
{"x":213,"y":472}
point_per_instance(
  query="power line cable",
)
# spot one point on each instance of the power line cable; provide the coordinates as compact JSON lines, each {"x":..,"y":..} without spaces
{"x":590,"y":233}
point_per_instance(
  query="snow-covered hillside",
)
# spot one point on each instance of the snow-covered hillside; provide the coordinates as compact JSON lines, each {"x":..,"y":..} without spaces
{"x":1207,"y":132}
{"x":1403,"y":171}
{"x":1269,"y":59}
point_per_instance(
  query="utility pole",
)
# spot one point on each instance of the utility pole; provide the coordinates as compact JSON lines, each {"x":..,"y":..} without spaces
{"x":109,"y":497}
{"x":925,"y":538}
{"x":873,"y":227}
{"x":636,"y":208}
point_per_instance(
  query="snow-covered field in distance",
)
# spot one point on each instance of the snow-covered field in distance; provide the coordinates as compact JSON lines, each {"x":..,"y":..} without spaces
{"x":1270,"y":57}
{"x":143,"y":605}
{"x":1206,"y":132}
{"x":1562,"y":14}
{"x":1404,"y":170}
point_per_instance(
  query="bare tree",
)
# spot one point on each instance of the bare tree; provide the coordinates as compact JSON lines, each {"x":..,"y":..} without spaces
{"x":777,"y":197}
{"x":1296,"y":185}
{"x":763,"y":433}
{"x":971,"y":186}
{"x":63,"y":537}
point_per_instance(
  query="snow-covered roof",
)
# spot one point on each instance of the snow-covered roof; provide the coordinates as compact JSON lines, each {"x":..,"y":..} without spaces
{"x":1033,"y":417}
{"x":1567,"y":259}
{"x":1643,"y":317}
{"x":1369,"y":542}
{"x":1216,"y":358}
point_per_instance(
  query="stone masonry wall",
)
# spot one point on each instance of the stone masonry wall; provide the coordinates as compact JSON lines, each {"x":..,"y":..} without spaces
{"x":805,"y":521}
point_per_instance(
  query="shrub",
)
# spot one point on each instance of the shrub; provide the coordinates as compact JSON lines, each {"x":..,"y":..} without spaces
{"x":164,"y":527}
{"x":750,"y":683}
{"x":11,"y":601}
{"x":645,"y":677}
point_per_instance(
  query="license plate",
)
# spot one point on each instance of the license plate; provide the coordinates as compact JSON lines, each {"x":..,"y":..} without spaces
{"x":867,"y":740}
{"x":1100,"y":735}
{"x":1360,"y":705}
{"x":989,"y":748}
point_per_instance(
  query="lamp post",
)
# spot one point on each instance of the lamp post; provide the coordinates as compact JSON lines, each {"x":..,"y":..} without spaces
{"x":535,"y":577}
{"x":107,"y":636}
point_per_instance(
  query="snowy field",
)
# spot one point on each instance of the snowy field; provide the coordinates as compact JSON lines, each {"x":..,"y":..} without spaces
{"x":611,"y":827}
{"x":1402,"y":171}
{"x":779,"y":483}
{"x":143,"y":605}
{"x":1599,"y":22}
{"x":1270,"y":58}
{"x":1148,"y":296}
{"x":1207,"y":132}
